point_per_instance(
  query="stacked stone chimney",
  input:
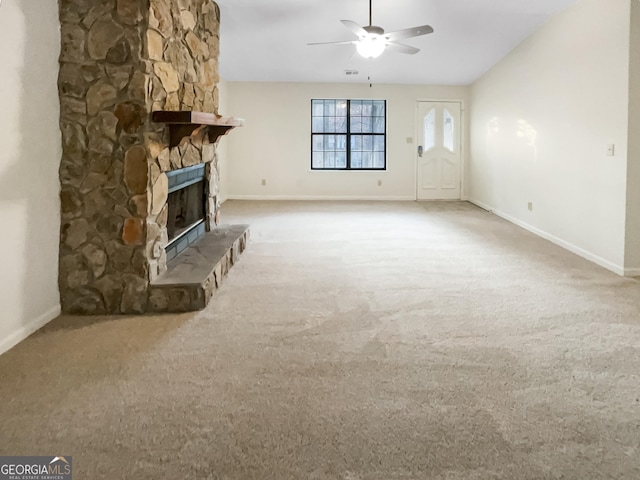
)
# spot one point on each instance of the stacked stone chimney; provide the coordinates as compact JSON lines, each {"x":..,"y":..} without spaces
{"x":121,"y":60}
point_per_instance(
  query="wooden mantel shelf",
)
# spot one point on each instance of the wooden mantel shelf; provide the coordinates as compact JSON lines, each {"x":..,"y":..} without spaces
{"x":185,"y":123}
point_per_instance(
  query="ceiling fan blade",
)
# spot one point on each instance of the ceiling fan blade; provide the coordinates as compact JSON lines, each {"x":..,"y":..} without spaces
{"x":334,"y":43}
{"x":409,"y":32}
{"x":355,"y":28}
{"x":402,"y":48}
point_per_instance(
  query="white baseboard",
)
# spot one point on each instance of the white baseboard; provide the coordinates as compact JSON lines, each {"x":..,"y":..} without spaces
{"x":19,"y":335}
{"x":632,"y":272}
{"x":322,"y":197}
{"x":558,"y":241}
{"x":483,"y":206}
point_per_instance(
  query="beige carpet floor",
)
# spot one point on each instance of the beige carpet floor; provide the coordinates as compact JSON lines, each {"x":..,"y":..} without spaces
{"x":351,"y":341}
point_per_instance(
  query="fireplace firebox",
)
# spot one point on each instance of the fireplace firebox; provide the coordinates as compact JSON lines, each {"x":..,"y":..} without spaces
{"x":186,"y":208}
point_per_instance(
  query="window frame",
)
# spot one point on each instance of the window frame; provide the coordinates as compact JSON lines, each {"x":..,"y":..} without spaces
{"x":348,"y":134}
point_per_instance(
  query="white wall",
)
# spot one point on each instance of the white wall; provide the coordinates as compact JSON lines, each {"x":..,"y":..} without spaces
{"x":275,"y":144}
{"x":30,"y":154}
{"x":221,"y":149}
{"x":540,"y":123}
{"x":632,"y":249}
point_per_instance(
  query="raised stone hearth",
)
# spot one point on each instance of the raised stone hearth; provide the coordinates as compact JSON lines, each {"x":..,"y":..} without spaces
{"x":120,"y":61}
{"x":191,"y":278}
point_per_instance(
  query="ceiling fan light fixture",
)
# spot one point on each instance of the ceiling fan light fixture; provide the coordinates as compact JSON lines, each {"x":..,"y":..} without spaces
{"x":372,"y":40}
{"x":371,"y":46}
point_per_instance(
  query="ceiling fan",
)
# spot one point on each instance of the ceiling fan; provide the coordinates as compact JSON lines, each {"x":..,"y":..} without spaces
{"x":372,"y":40}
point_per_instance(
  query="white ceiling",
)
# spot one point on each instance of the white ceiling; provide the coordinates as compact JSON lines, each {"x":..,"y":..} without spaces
{"x":266,"y":40}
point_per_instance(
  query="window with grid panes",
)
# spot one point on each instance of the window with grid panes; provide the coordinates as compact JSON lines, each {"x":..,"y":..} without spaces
{"x":348,"y":134}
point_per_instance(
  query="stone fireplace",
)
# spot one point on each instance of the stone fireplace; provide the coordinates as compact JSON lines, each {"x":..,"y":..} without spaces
{"x":136,"y":190}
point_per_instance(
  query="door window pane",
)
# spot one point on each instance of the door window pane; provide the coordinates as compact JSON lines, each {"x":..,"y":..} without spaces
{"x":430,"y":130}
{"x":448,"y":130}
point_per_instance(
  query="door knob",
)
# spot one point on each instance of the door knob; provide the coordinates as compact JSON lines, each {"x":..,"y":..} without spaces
{"x":420,"y":151}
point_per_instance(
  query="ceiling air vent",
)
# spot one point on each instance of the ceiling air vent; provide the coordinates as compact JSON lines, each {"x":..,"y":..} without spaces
{"x":351,"y":73}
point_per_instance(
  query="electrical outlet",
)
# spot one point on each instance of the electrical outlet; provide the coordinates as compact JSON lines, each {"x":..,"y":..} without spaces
{"x":264,"y":182}
{"x":611,"y":150}
{"x":379,"y":183}
{"x":530,"y":206}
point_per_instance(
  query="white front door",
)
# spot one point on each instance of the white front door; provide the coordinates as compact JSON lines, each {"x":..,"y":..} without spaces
{"x":439,"y":156}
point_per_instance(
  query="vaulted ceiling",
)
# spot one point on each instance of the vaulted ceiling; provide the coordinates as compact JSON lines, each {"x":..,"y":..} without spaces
{"x":266,"y":40}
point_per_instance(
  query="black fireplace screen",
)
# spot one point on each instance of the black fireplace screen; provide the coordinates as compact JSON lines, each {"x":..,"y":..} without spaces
{"x":186,"y":207}
{"x":186,"y":210}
